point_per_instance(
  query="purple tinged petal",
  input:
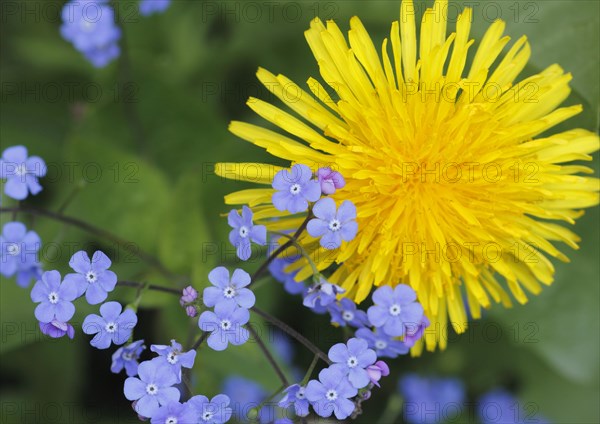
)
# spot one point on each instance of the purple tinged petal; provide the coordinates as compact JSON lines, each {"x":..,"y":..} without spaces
{"x":108,"y":280}
{"x":79,"y":281}
{"x":378,"y":315}
{"x":359,"y":377}
{"x":219,"y":277}
{"x":324,"y":209}
{"x":225,"y":309}
{"x":80,"y":262}
{"x":383,"y":296}
{"x":101,"y":340}
{"x":64,"y":311}
{"x":15,"y":154}
{"x":240,"y":337}
{"x":95,"y":294}
{"x":282,"y":180}
{"x":317,"y":227}
{"x":247,"y":216}
{"x":394,"y":327}
{"x":217,"y":341}
{"x":36,"y":166}
{"x":411,"y":315}
{"x":331,"y":240}
{"x":297,"y":204}
{"x":134,"y":388}
{"x":211,"y":296}
{"x":315,"y":390}
{"x":33,"y":185}
{"x":349,"y":230}
{"x":187,"y":359}
{"x":100,"y":261}
{"x":344,"y":409}
{"x":14,"y":231}
{"x":243,"y":249}
{"x":234,"y":219}
{"x":208,"y":321}
{"x":168,"y":394}
{"x":52,"y":279}
{"x":240,"y":316}
{"x":44,"y":312}
{"x":147,"y":371}
{"x":404,"y":294}
{"x":301,"y":173}
{"x":331,"y":377}
{"x":240,"y":278}
{"x":128,"y":319}
{"x":16,"y":189}
{"x":281,"y":199}
{"x":338,"y":353}
{"x":258,"y":234}
{"x":93,"y":324}
{"x":245,"y":298}
{"x":110,"y":311}
{"x":357,"y":346}
{"x":147,"y":406}
{"x":68,"y":290}
{"x":40,"y":292}
{"x":346,"y":211}
{"x":312,"y":191}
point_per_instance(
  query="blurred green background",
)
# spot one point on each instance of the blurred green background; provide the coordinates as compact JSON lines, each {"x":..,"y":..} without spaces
{"x":135,"y":143}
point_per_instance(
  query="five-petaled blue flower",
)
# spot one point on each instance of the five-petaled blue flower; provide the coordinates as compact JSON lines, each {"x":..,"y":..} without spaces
{"x":295,"y":395}
{"x":396,"y":310}
{"x":331,"y":394}
{"x":54,"y":298}
{"x":19,"y":253}
{"x":331,"y":225}
{"x":244,"y":231}
{"x":226,"y":290}
{"x":352,"y":359}
{"x":111,"y":327}
{"x":21,"y":172}
{"x":90,"y":26}
{"x":225,"y":324}
{"x":213,"y":411}
{"x":152,"y":389}
{"x":345,"y":313}
{"x":148,"y":7}
{"x":93,"y":276}
{"x":127,"y":357}
{"x":174,"y":357}
{"x":384,"y":346}
{"x":295,"y":188}
{"x":175,"y":413}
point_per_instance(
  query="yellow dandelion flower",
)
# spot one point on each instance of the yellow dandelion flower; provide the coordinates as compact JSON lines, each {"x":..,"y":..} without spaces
{"x":454,"y":192}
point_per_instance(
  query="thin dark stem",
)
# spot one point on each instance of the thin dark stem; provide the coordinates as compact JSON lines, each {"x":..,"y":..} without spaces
{"x":281,"y":248}
{"x":289,"y":330}
{"x":268,"y":355}
{"x":149,"y":286}
{"x":128,"y":246}
{"x":200,"y":340}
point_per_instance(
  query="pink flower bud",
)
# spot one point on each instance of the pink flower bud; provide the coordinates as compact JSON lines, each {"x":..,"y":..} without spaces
{"x":376,"y":371}
{"x":191,"y":311}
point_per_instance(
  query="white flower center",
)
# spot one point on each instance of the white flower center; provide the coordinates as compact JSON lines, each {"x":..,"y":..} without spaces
{"x":20,"y":170}
{"x":229,"y":292}
{"x":152,"y":389}
{"x":352,"y":362}
{"x":348,"y":315}
{"x":207,"y":415}
{"x":225,"y":324}
{"x":91,"y":277}
{"x":53,"y":298}
{"x":172,"y":357}
{"x":380,"y":344}
{"x":300,"y":393}
{"x":331,"y":395}
{"x":171,"y":420}
{"x":295,"y":189}
{"x":111,"y":327}
{"x":244,"y":231}
{"x":13,"y":249}
{"x":128,"y":356}
{"x":395,"y":310}
{"x":335,"y":225}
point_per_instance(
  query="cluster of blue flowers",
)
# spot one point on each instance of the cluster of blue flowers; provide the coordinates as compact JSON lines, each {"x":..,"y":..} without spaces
{"x":19,"y":247}
{"x":430,"y":400}
{"x":91,"y":27}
